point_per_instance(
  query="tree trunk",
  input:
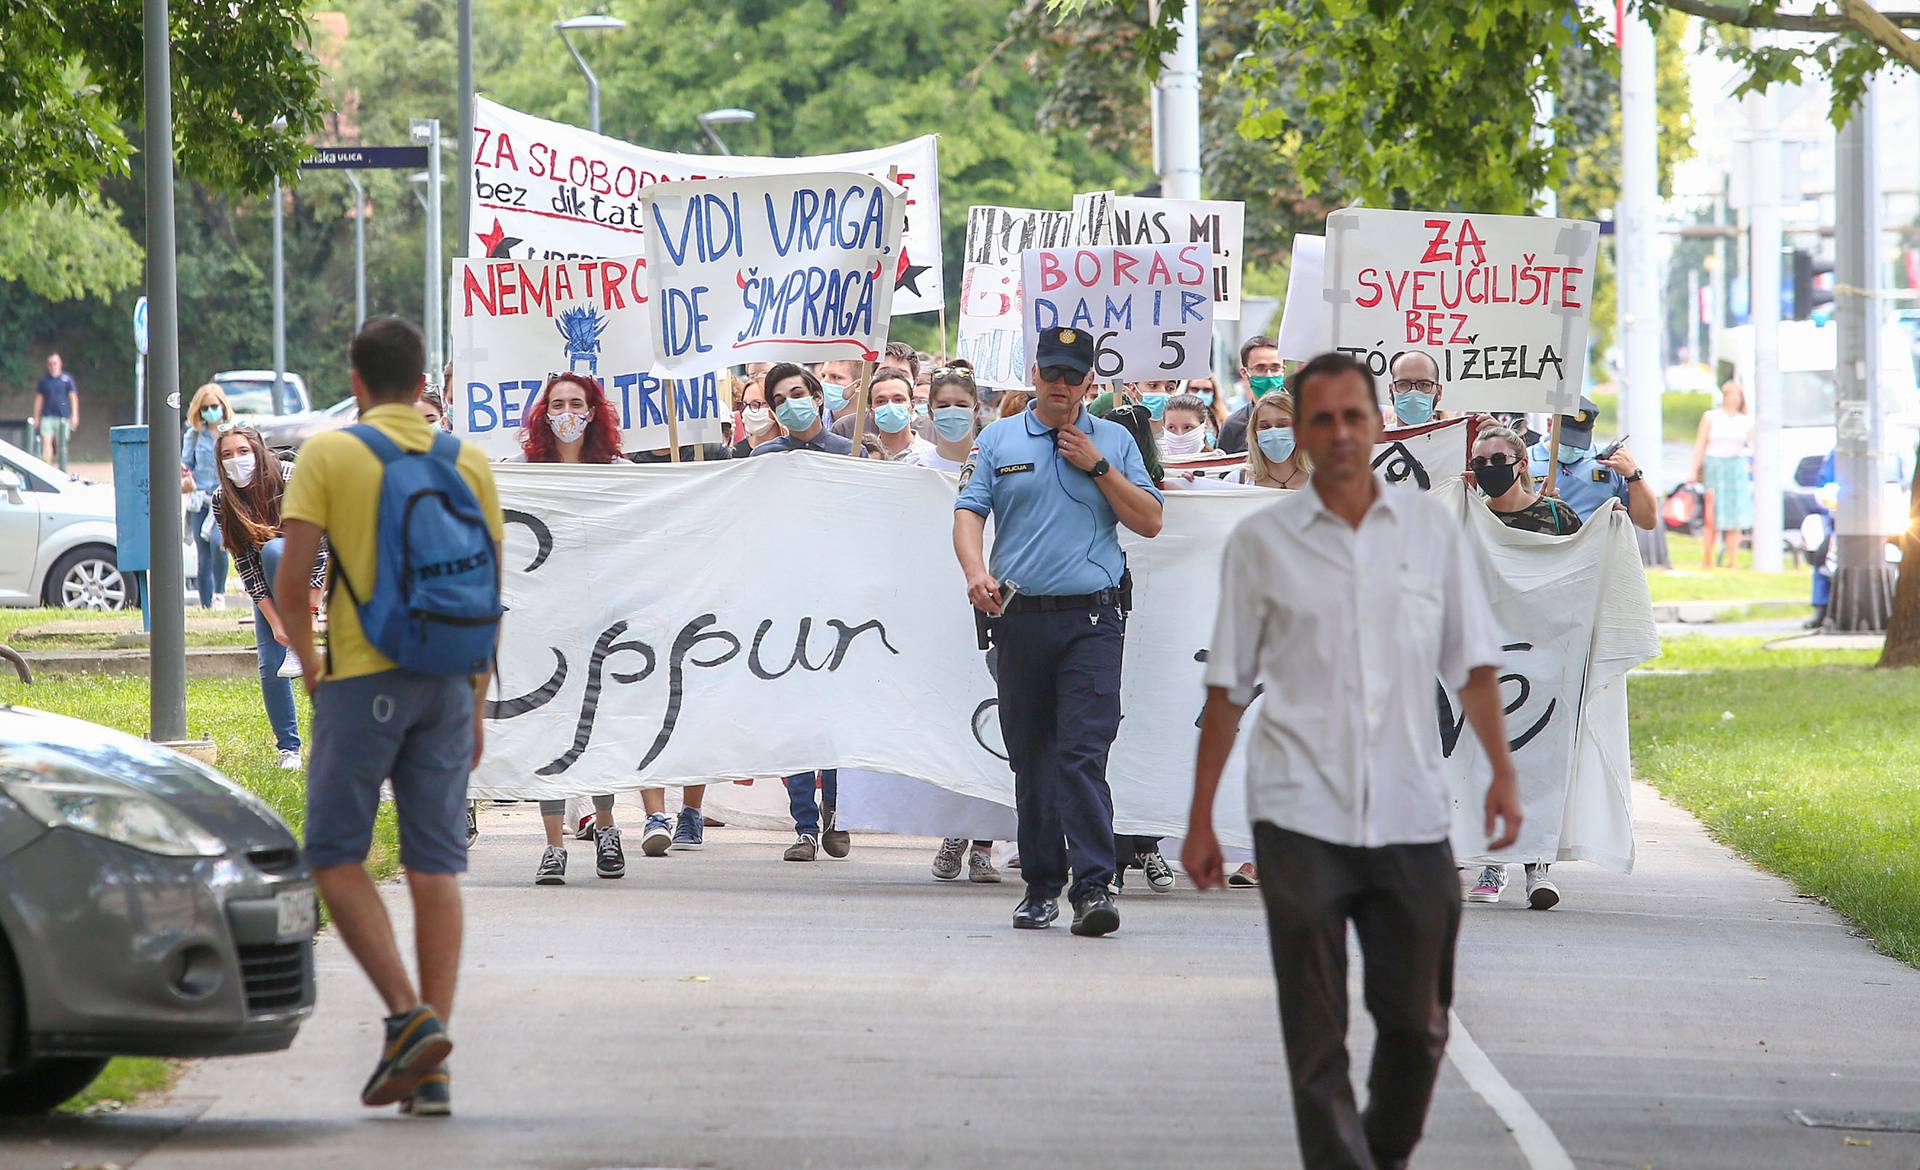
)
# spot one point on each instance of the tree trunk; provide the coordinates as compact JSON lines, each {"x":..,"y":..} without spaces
{"x":1902,"y":647}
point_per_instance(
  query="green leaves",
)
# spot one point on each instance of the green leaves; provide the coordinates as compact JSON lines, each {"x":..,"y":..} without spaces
{"x":69,"y":250}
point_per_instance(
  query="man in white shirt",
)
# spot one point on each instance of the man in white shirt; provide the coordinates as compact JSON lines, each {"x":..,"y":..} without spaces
{"x":1347,"y":601}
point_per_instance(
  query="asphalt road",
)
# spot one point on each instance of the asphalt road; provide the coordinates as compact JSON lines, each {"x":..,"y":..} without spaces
{"x":725,"y":1009}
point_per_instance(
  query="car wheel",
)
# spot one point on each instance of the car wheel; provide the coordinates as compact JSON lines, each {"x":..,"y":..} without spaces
{"x":87,"y":578}
{"x":30,"y":1085}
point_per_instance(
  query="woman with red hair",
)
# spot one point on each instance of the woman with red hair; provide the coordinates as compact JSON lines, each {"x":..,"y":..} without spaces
{"x":571,"y":421}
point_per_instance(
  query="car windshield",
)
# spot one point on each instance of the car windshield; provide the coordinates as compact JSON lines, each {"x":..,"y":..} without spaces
{"x":1806,"y":398}
{"x":255,"y":397}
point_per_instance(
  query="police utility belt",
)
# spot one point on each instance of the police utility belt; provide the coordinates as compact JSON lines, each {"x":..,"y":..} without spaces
{"x":1025,"y":603}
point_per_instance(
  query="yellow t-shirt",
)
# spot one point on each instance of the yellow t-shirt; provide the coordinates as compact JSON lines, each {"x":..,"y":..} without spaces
{"x":337,"y":488}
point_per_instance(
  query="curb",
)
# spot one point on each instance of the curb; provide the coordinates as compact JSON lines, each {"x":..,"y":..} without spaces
{"x":202,"y":662}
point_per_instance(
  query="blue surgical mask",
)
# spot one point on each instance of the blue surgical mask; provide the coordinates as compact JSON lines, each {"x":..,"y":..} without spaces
{"x":1572,"y":454}
{"x":1156,"y":405}
{"x":797,"y":413}
{"x":836,"y":396}
{"x":212,"y":414}
{"x":893,"y":417}
{"x":1276,"y":443}
{"x":1413,"y":407}
{"x":953,"y":423}
{"x":1205,"y":396}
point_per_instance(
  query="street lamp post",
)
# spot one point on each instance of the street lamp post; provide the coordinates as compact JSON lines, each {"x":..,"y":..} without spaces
{"x":594,"y":23}
{"x":278,"y":396}
{"x":727,"y":117}
{"x":359,"y":250}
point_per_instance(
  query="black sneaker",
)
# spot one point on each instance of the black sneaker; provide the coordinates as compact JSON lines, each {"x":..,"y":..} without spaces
{"x":609,"y":860}
{"x":553,"y":867}
{"x":1095,"y":915}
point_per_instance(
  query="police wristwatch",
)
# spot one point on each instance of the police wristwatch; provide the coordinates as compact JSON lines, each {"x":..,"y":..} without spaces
{"x":1099,"y":469}
{"x":1639,"y":473}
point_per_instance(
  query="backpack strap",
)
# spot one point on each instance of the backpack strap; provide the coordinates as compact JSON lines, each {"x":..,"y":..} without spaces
{"x":445,"y":447}
{"x":383,"y":448}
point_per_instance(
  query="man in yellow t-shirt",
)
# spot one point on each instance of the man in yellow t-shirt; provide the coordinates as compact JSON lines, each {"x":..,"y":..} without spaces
{"x":374,"y":721}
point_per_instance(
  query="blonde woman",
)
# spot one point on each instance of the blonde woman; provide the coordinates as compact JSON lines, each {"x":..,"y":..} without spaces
{"x":1720,"y":454}
{"x":207,"y":415}
{"x":1274,"y":460}
{"x":1499,"y":469}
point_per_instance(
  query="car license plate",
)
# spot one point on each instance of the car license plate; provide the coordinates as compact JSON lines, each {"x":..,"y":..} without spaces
{"x":299,"y":912}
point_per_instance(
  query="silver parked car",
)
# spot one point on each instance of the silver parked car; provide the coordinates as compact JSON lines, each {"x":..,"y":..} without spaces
{"x":56,"y":538}
{"x":148,"y":906}
{"x":288,"y":431}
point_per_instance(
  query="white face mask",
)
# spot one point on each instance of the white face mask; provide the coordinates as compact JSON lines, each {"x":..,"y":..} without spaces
{"x":569,"y":427}
{"x":759,"y":419}
{"x":240,"y":468}
{"x":1186,"y":444}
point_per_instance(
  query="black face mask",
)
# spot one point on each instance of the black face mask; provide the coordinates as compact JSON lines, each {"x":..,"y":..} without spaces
{"x":1495,"y":479}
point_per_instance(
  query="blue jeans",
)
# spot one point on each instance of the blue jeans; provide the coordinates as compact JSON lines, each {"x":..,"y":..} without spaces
{"x":211,"y":557}
{"x":806,"y":814}
{"x":275,"y":692}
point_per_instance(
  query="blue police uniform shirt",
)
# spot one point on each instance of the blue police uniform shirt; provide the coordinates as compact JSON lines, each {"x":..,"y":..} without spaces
{"x":1585,"y":486}
{"x":1053,"y":528}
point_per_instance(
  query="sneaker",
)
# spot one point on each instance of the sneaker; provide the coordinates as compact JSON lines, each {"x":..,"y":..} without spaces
{"x":290,"y":759}
{"x":553,"y":867}
{"x":609,"y":861}
{"x":417,"y":1043}
{"x":473,"y":823}
{"x":432,"y":1097}
{"x":1159,"y":873}
{"x":1542,"y":894}
{"x":804,"y":849}
{"x":835,"y":841}
{"x":657,"y":837}
{"x":290,"y":665}
{"x":1245,"y":877}
{"x":1493,"y":879}
{"x":980,"y":867}
{"x":1117,"y":882}
{"x":946,"y":863}
{"x":689,"y":830}
{"x":219,"y":601}
{"x":583,"y":825}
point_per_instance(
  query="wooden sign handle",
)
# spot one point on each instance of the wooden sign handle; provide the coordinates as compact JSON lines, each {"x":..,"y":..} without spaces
{"x":673,"y":421}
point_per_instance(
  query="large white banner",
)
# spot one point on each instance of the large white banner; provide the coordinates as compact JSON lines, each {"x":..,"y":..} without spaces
{"x":1499,"y":301}
{"x":761,"y":617}
{"x":545,"y":190}
{"x":1149,"y":310}
{"x":777,"y":268}
{"x":1303,"y":331}
{"x":991,"y":335}
{"x":1422,"y":456}
{"x":517,"y":321}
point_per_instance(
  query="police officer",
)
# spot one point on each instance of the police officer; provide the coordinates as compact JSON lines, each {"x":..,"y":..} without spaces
{"x":1056,"y":480}
{"x":1587,"y":483}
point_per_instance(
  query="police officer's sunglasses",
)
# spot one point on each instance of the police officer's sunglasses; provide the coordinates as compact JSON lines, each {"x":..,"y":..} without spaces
{"x":1064,"y":376}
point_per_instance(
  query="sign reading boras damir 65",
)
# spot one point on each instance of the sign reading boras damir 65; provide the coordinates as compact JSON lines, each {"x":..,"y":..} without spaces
{"x":1499,"y":301}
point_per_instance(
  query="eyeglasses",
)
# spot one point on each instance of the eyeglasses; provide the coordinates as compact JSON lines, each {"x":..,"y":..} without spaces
{"x":1412,"y":387}
{"x":1483,"y":462}
{"x":1265,"y":369}
{"x":1063,"y":375}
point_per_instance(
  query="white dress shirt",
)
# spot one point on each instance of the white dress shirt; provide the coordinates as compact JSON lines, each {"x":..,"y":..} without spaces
{"x":1349,"y":629}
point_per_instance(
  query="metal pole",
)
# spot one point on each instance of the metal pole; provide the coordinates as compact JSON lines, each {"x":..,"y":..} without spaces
{"x":593,"y":83}
{"x":1178,"y":118}
{"x":1717,"y":312}
{"x":279,"y":307}
{"x":359,"y":250}
{"x":464,"y":18}
{"x":167,"y":691}
{"x":426,"y":273}
{"x":1693,"y":314}
{"x":1862,"y":582}
{"x":436,"y":329}
{"x":1642,"y":381}
{"x":1763,"y":299}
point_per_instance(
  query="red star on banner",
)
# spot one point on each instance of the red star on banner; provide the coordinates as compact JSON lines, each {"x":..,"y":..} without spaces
{"x":497,"y":242}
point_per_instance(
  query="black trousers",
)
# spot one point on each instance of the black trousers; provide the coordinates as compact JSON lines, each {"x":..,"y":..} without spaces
{"x":1059,"y":684}
{"x":1404,"y":903}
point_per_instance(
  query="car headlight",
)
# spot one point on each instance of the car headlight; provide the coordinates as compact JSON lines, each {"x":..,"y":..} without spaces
{"x":60,"y":794}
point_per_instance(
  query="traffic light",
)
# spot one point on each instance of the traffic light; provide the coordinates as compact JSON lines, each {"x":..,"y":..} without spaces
{"x":1809,"y":289}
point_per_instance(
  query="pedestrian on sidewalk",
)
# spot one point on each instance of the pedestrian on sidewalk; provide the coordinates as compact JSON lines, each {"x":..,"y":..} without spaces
{"x":570,"y":421}
{"x":1057,"y":481}
{"x":401,"y":693}
{"x":56,"y":412}
{"x":1722,"y":454}
{"x":207,"y":415}
{"x":246,"y":505}
{"x":1346,"y":601}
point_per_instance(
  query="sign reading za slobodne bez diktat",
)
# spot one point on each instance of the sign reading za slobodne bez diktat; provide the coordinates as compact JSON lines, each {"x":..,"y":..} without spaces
{"x":775,"y":268}
{"x":547,"y":191}
{"x":1150,"y":310}
{"x":517,"y":321}
{"x":1500,"y":302}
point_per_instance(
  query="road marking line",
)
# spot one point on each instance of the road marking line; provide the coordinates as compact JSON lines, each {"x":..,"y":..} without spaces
{"x":1531,"y":1133}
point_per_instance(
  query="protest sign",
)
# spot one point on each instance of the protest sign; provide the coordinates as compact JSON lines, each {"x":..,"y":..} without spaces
{"x":516,"y":321}
{"x":991,"y":335}
{"x":1150,"y":309}
{"x":545,"y":190}
{"x":667,"y":673}
{"x":1421,"y":456}
{"x":779,"y":268}
{"x":1500,"y":302}
{"x":1303,"y":332}
{"x":1220,"y":224}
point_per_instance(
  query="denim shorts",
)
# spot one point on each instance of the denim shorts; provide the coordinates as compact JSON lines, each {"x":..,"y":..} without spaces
{"x":414,"y":729}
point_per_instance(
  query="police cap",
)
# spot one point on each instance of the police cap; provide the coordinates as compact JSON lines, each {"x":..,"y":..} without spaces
{"x":1576,"y":430}
{"x":1063,"y":348}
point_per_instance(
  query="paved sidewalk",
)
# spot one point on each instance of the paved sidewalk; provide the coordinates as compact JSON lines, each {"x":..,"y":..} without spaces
{"x":726,"y":1009}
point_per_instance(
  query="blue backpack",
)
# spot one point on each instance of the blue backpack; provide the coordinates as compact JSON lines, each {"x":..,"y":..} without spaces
{"x":435,"y":605}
